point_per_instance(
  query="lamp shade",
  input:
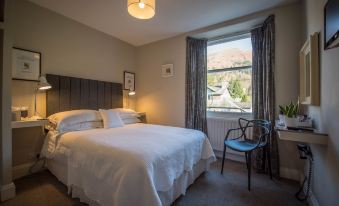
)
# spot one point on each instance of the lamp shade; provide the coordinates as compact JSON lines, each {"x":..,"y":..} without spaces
{"x":131,"y":93}
{"x":43,"y":84}
{"x":141,"y":9}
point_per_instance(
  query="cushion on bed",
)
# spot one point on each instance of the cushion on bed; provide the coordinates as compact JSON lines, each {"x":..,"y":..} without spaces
{"x":63,"y":120}
{"x":111,"y":118}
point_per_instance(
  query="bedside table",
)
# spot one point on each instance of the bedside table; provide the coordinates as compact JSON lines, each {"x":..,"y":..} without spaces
{"x":29,"y":123}
{"x":27,"y":140}
{"x":142,"y":117}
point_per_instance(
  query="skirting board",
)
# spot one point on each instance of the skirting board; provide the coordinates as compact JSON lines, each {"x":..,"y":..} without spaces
{"x":23,"y":170}
{"x":292,"y":174}
{"x":7,"y":192}
{"x":298,"y":176}
{"x":287,"y":173}
{"x":231,"y":156}
{"x":312,"y":200}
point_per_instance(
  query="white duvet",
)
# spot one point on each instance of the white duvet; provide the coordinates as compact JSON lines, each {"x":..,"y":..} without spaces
{"x":128,"y":165}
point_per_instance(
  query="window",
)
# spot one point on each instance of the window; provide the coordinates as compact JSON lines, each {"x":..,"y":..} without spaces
{"x":229,"y":76}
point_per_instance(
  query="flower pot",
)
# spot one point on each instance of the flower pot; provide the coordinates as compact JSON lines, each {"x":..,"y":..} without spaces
{"x":291,"y":121}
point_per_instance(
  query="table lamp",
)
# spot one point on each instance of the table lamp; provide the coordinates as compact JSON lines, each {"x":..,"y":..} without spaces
{"x":41,"y":86}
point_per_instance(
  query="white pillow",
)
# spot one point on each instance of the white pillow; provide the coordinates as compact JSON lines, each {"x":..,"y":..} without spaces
{"x":131,"y":120}
{"x":124,"y":111}
{"x":128,"y":116}
{"x":111,"y":118}
{"x":68,"y":118}
{"x":76,"y":127}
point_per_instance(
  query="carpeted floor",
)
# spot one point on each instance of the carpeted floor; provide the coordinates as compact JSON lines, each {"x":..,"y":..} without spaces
{"x":211,"y":188}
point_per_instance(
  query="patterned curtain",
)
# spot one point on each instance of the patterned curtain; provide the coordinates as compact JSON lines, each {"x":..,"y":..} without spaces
{"x":263,"y":66}
{"x":196,"y":84}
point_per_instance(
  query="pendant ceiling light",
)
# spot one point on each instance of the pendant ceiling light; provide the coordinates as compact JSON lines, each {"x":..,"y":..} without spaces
{"x":141,"y":9}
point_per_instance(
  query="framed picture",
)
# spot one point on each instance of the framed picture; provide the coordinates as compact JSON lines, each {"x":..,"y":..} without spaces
{"x":129,"y":81}
{"x":26,"y":64}
{"x":167,"y":70}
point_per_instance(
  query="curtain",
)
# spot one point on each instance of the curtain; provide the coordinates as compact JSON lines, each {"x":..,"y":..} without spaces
{"x":263,"y":66}
{"x":196,"y":84}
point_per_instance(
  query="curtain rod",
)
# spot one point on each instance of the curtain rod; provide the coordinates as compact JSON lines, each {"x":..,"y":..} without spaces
{"x":236,"y":34}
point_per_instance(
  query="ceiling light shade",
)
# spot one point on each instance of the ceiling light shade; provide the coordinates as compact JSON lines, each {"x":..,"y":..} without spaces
{"x":141,"y":9}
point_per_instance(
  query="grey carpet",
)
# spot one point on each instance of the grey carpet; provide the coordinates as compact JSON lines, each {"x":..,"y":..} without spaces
{"x":211,"y":188}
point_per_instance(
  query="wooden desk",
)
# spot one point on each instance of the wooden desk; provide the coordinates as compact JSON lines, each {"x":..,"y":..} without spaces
{"x":29,"y":123}
{"x":302,"y":136}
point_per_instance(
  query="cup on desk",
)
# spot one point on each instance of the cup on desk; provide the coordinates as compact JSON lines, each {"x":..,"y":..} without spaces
{"x":19,"y":112}
{"x":16,"y":115}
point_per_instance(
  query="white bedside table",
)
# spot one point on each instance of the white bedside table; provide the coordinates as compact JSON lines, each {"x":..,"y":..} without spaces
{"x":29,"y":123}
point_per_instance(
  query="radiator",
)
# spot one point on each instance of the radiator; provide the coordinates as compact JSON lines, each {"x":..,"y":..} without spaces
{"x":217,"y":128}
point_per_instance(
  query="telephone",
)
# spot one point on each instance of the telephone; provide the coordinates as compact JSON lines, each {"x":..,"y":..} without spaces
{"x":305,"y":153}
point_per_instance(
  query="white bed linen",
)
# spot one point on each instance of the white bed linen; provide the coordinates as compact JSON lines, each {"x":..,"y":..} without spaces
{"x":59,"y":164}
{"x":128,"y":165}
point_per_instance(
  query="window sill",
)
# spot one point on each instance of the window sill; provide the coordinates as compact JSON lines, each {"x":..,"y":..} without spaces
{"x":229,"y":115}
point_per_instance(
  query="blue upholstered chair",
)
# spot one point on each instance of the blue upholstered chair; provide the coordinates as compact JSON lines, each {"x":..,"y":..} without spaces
{"x":242,"y":143}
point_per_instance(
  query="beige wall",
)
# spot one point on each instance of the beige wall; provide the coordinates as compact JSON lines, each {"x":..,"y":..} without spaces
{"x":68,"y":48}
{"x":7,"y":189}
{"x":326,"y":163}
{"x":164,"y":98}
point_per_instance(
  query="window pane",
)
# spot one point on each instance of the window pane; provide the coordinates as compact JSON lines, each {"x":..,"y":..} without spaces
{"x":229,"y":78}
{"x":230,"y":54}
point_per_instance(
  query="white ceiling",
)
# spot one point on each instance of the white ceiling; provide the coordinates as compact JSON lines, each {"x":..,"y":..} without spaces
{"x":173,"y":17}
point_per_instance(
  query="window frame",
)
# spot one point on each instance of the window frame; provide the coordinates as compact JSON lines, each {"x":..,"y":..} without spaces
{"x":221,"y":40}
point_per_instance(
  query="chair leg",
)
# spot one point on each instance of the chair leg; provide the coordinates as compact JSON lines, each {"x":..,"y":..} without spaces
{"x":223,"y":159}
{"x":269,"y":160}
{"x":246,"y":160}
{"x":249,"y":169}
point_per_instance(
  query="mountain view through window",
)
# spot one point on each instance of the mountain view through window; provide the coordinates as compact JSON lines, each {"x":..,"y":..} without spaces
{"x":229,"y":76}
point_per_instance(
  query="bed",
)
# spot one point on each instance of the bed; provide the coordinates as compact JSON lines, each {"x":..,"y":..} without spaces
{"x":137,"y":164}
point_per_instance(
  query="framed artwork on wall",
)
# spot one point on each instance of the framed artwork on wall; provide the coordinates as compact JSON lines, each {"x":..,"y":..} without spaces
{"x":167,"y":70}
{"x":26,"y":64}
{"x":129,"y":81}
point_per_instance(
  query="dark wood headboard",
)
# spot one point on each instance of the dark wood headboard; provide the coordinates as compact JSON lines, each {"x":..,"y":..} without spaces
{"x":69,"y":93}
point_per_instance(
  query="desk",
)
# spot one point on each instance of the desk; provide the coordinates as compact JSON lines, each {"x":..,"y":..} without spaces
{"x":29,"y":123}
{"x":302,"y":136}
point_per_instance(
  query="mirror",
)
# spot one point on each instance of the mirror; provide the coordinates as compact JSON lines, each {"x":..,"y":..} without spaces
{"x":309,"y":72}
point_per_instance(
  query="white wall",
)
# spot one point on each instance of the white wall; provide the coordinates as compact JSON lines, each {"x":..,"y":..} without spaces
{"x":326,"y":159}
{"x":164,"y":98}
{"x":68,"y":48}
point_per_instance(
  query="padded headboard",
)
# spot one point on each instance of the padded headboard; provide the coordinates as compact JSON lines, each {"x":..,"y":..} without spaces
{"x":69,"y":93}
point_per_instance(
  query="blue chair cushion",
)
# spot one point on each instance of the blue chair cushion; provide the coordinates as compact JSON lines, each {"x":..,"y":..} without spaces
{"x":242,"y":145}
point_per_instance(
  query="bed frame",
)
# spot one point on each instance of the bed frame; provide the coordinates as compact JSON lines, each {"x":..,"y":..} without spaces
{"x":69,"y":93}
